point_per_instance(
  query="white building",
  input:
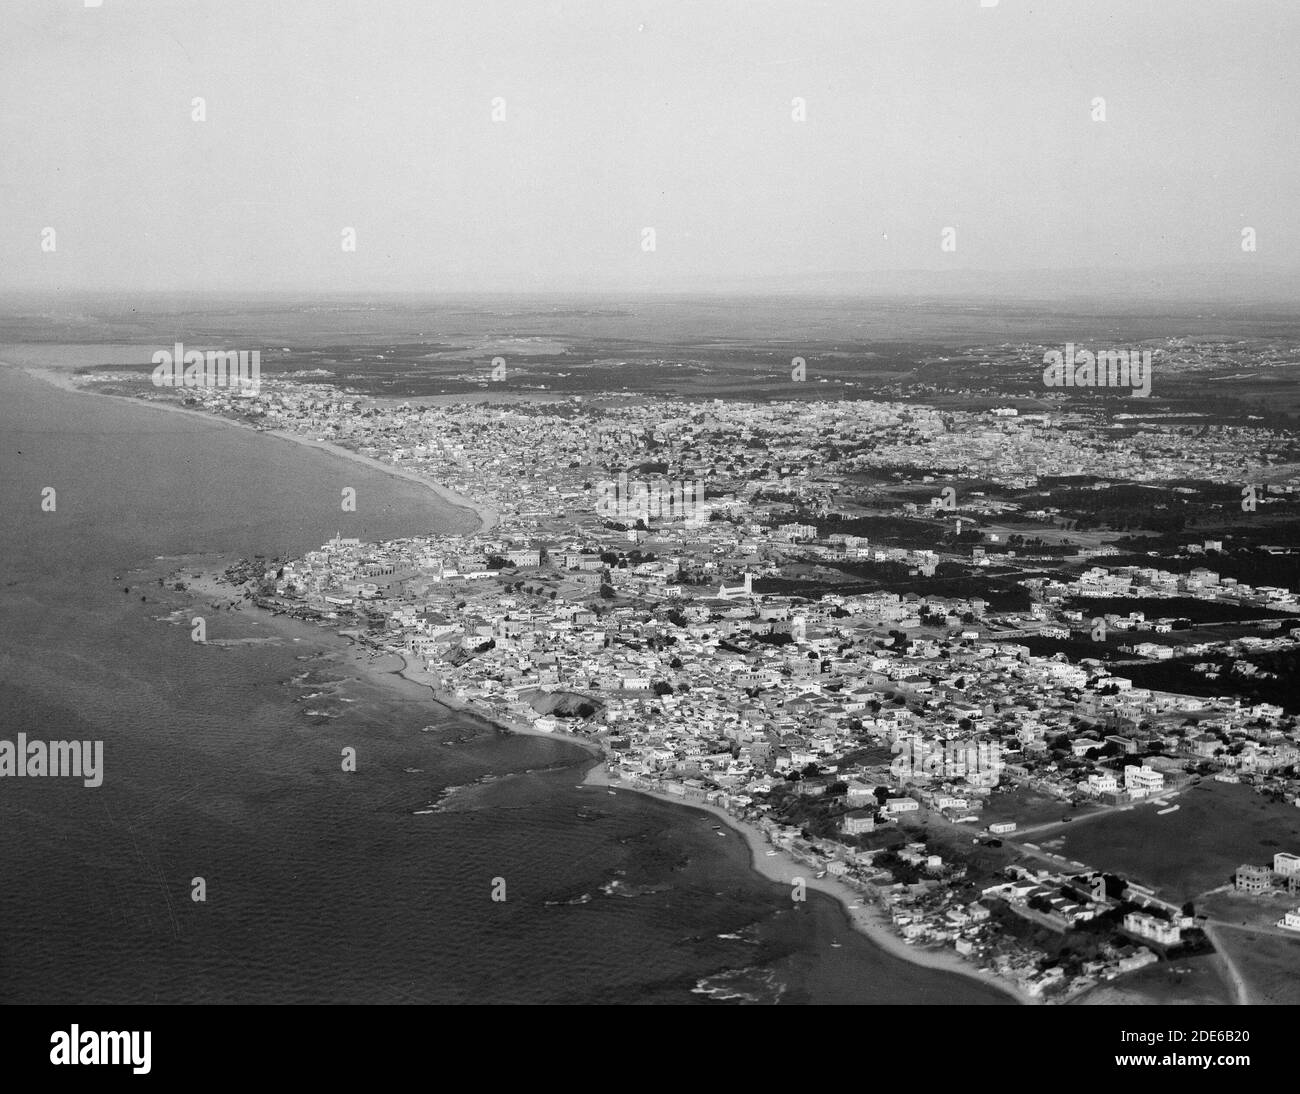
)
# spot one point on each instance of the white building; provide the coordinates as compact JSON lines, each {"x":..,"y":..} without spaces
{"x":1148,"y":926}
{"x":1102,"y":784}
{"x":1286,"y":864}
{"x":1142,"y":781}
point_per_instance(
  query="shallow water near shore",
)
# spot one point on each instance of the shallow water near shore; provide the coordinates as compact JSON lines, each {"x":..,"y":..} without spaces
{"x":222,"y":763}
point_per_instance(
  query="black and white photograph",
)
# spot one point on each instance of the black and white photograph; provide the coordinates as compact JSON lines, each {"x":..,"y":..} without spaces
{"x":651,"y":502}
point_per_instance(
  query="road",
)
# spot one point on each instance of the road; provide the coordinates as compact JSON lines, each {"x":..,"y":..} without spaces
{"x":1239,"y":986}
{"x":1105,"y":811}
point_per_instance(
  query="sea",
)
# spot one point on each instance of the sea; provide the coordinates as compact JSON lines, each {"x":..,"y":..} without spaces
{"x":228,"y":857}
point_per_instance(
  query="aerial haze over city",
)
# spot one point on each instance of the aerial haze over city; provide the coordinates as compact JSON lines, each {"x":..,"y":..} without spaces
{"x":624,"y":503}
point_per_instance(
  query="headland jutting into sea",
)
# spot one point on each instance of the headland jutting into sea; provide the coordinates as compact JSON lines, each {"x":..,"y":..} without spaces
{"x":765,"y":860}
{"x":775,"y":709}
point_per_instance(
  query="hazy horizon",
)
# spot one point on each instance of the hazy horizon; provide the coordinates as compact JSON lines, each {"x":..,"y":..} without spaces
{"x":772,"y":147}
{"x":1129,"y":290}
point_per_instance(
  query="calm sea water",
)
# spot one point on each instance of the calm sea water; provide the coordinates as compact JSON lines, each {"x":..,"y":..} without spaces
{"x":223,"y":763}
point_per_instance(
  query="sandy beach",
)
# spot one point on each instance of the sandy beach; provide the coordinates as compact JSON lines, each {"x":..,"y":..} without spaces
{"x":66,"y":380}
{"x":397,"y":671}
{"x":865,"y":916}
{"x":488,"y":517}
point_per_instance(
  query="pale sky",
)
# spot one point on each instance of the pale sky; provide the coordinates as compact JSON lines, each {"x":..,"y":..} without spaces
{"x":676,"y":115}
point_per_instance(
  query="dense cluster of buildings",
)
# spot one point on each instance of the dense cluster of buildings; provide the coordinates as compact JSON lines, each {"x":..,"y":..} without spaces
{"x":872,"y":706}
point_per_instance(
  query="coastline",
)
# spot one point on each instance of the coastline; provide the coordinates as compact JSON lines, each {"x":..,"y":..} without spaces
{"x":376,"y":666}
{"x":508,"y":725}
{"x":486,"y":515}
{"x":864,"y":916}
